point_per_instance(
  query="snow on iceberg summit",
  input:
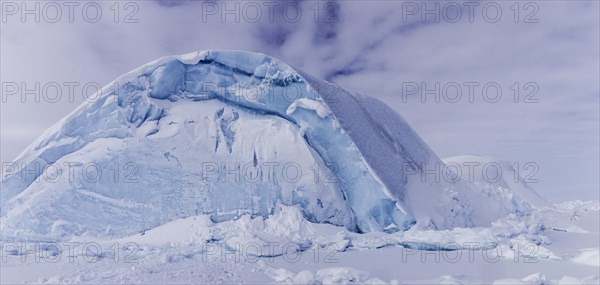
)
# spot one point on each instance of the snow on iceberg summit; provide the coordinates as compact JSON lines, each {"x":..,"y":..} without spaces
{"x":225,"y":134}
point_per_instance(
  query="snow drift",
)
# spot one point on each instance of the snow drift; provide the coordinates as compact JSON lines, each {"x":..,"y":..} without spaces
{"x":226,"y":134}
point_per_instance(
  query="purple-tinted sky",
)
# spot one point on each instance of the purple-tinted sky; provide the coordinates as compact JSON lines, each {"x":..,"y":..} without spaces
{"x":382,"y":49}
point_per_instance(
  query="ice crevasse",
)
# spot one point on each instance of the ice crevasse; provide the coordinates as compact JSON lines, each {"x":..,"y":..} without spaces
{"x":231,"y":133}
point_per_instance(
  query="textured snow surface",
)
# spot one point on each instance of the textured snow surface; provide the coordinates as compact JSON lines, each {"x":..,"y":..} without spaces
{"x":228,"y":134}
{"x":286,"y":249}
{"x":588,"y":256}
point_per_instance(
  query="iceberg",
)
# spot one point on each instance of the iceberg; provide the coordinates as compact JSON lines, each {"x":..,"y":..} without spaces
{"x":227,"y":134}
{"x":497,"y":177}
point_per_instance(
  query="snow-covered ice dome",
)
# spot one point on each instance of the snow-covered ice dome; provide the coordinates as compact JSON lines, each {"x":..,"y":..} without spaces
{"x":225,"y":134}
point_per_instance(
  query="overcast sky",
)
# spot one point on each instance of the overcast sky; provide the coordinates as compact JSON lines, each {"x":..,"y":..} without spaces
{"x":548,"y":51}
